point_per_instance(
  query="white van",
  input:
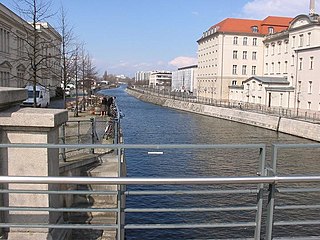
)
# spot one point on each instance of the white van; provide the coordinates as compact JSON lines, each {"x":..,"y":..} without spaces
{"x":42,"y":97}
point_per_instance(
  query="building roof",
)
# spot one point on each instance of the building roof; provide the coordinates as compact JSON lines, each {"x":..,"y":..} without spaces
{"x":280,"y":89}
{"x":270,"y":80}
{"x":277,"y":21}
{"x":237,"y":25}
{"x":188,"y":67}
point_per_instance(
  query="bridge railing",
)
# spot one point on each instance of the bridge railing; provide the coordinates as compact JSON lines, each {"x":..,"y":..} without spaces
{"x":264,"y":187}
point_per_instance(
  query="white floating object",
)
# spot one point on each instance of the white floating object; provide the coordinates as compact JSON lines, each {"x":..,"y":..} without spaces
{"x":155,"y":153}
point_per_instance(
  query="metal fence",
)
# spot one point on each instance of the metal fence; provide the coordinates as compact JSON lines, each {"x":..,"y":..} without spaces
{"x":301,"y":114}
{"x":263,"y":188}
{"x":89,"y":131}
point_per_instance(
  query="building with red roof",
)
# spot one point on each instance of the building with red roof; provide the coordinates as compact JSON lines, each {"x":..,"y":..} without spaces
{"x":231,"y":51}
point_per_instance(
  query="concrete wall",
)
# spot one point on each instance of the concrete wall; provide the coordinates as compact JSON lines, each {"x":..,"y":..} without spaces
{"x":290,"y":126}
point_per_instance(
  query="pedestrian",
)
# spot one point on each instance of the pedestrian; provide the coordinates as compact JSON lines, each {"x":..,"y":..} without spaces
{"x":103,"y":106}
{"x":109,"y":103}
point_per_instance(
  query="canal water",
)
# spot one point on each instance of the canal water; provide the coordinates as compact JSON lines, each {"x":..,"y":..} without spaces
{"x":146,"y":123}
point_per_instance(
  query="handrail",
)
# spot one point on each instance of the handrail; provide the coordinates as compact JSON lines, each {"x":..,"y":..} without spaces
{"x":155,"y":181}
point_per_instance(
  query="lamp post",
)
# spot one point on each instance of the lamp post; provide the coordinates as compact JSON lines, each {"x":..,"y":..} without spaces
{"x":76,"y":112}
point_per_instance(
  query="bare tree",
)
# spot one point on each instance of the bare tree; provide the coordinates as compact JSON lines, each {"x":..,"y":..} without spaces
{"x":67,"y":42}
{"x":42,"y":53}
{"x":89,"y":74}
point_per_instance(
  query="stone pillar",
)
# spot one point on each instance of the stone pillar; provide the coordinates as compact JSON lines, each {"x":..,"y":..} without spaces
{"x":30,"y":125}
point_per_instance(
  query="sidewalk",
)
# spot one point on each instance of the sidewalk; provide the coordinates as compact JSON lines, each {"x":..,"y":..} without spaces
{"x":108,"y":167}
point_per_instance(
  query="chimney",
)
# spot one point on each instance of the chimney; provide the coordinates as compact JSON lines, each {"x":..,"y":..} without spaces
{"x":312,"y":7}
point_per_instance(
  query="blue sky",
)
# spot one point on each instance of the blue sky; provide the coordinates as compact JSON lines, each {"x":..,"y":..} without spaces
{"x":125,"y":36}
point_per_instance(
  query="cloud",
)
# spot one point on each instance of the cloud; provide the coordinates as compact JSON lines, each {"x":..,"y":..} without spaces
{"x":262,"y":8}
{"x":183,"y":61}
{"x":142,"y":64}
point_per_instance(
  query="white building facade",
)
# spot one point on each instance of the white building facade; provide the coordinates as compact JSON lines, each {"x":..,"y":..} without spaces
{"x":290,"y":57}
{"x":160,"y":79}
{"x":230,"y":52}
{"x":14,"y":58}
{"x":142,"y":76}
{"x":185,"y":79}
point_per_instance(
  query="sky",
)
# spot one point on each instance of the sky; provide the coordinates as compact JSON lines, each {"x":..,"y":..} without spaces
{"x":126,"y":36}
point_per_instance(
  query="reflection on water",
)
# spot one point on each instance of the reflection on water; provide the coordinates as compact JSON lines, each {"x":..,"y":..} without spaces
{"x":147,"y":123}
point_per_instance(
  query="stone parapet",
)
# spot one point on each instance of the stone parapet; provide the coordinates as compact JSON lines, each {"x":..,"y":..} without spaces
{"x":33,"y":117}
{"x":38,"y":126}
{"x":11,"y":96}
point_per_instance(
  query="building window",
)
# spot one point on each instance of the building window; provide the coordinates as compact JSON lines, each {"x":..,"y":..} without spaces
{"x":254,"y":41}
{"x":4,"y":40}
{"x":272,"y":68}
{"x":286,"y":43}
{"x":300,"y":63}
{"x":279,"y":68}
{"x":309,"y":38}
{"x":244,"y":55}
{"x":245,"y":41}
{"x":292,"y":60}
{"x":234,"y":82}
{"x":235,"y":54}
{"x":301,"y":40}
{"x":255,"y":29}
{"x":254,"y":55}
{"x":286,"y":67}
{"x":234,"y":69}
{"x":311,"y":63}
{"x":310,"y":87}
{"x":281,"y":98}
{"x":270,"y":30}
{"x":309,"y":105}
{"x":293,"y":44}
{"x":267,"y":50}
{"x":299,"y":86}
{"x":267,"y":69}
{"x":244,"y":69}
{"x":272,"y":49}
{"x":279,"y":48}
{"x":235,"y":40}
{"x":4,"y":78}
{"x":254,"y":70}
{"x":260,"y":87}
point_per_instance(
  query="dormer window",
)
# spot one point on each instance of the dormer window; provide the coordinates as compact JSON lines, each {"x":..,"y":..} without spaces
{"x":255,"y":29}
{"x":270,"y":30}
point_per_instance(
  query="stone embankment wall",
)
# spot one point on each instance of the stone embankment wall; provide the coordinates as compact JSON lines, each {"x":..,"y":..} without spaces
{"x":289,"y":126}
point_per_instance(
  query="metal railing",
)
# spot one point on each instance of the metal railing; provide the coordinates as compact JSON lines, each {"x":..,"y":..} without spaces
{"x":264,"y":187}
{"x":86,"y":132}
{"x":301,"y":114}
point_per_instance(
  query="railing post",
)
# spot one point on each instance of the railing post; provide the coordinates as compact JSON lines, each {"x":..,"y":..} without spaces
{"x":78,"y":132}
{"x":116,"y":131}
{"x":63,"y":138}
{"x":270,"y":211}
{"x":262,"y":172}
{"x":93,"y":130}
{"x":271,"y":196}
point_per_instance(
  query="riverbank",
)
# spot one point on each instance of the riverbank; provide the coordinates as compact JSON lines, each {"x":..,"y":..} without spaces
{"x":294,"y":127}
